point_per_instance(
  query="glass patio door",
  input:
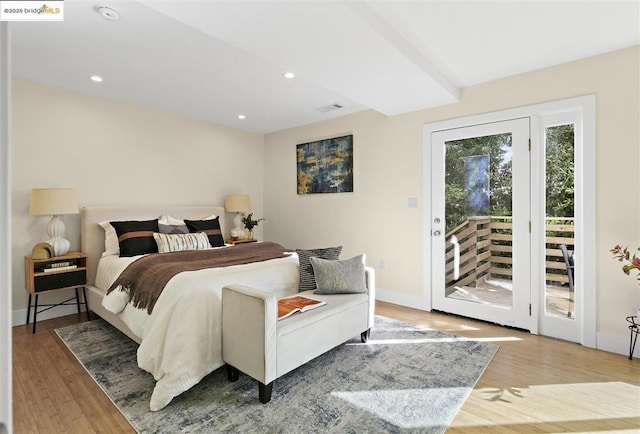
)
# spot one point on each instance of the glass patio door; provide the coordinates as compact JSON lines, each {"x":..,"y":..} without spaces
{"x":480,"y":224}
{"x":561,"y":314}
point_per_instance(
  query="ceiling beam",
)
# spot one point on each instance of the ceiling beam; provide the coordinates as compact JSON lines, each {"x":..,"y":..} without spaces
{"x":381,"y":26}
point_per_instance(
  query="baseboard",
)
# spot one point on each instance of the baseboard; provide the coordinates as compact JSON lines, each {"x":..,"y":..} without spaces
{"x":19,"y":317}
{"x":618,"y":344}
{"x":612,"y":343}
{"x":416,"y":302}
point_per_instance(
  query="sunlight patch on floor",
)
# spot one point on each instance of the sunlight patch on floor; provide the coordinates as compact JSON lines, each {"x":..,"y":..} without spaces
{"x":411,"y":408}
{"x":556,"y":403}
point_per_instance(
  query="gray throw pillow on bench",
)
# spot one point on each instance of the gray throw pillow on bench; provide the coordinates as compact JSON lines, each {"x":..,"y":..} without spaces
{"x":339,"y":276}
{"x":307,"y":280}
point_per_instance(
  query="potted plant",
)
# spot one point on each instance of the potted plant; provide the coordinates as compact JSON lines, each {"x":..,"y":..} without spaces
{"x":250,"y":223}
{"x":630,"y":262}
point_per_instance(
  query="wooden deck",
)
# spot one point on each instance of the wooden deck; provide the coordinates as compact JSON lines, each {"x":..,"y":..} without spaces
{"x":485,"y":249}
{"x":499,"y":292}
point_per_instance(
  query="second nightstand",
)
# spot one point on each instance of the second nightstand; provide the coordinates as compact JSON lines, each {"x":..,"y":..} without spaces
{"x":55,"y":274}
{"x":240,"y":241}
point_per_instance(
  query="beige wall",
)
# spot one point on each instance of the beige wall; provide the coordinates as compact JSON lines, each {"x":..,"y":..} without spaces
{"x":117,"y":154}
{"x":388,"y":169}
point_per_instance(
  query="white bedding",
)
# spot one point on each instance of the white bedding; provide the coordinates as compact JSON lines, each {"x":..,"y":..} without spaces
{"x":181,"y":339}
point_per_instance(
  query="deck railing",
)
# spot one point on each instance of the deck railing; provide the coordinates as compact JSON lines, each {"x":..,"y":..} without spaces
{"x":486,"y":249}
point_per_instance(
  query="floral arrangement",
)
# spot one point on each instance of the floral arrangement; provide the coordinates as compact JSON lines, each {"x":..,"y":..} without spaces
{"x":249,"y":222}
{"x":630,"y":262}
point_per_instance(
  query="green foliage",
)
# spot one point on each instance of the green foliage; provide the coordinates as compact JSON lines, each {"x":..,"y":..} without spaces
{"x":498,"y":148}
{"x":630,"y":262}
{"x":249,"y":222}
{"x":560,"y":171}
{"x":560,"y":186}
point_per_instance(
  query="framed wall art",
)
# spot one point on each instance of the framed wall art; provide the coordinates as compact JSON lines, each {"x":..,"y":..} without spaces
{"x":325,"y":166}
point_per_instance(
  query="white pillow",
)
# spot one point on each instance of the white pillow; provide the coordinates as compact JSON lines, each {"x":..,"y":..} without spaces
{"x":181,"y":242}
{"x":111,"y":245}
{"x":172,"y":221}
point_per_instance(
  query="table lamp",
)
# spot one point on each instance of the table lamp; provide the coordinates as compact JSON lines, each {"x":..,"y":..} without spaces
{"x":54,"y":202}
{"x":237,"y":203}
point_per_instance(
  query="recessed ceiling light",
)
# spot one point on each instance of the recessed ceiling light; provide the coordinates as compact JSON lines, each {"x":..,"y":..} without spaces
{"x":109,"y":13}
{"x":289,"y":75}
{"x":96,"y":78}
{"x":241,"y":116}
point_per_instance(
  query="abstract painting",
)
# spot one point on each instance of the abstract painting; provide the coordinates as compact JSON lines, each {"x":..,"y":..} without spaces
{"x":325,"y":166}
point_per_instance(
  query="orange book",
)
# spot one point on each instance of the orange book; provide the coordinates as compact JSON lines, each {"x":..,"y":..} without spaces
{"x":290,"y":305}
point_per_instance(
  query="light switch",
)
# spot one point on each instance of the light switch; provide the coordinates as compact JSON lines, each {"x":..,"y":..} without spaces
{"x":412,"y":202}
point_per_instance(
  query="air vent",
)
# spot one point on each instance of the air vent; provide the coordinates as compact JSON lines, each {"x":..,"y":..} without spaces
{"x":328,"y":108}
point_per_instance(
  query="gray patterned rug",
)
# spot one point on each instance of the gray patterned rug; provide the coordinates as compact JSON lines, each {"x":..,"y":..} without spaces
{"x":406,"y":379}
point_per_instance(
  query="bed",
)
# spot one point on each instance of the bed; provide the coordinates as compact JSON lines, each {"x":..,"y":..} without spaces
{"x":180,"y":341}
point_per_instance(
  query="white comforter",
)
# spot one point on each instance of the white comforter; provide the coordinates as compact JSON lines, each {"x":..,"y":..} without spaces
{"x":181,"y":341}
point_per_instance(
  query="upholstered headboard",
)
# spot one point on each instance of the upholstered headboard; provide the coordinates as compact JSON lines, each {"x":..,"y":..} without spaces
{"x":92,"y":235}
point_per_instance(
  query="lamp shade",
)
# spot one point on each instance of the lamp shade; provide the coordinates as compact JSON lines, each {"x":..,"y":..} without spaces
{"x":237,"y":203}
{"x":53,"y":201}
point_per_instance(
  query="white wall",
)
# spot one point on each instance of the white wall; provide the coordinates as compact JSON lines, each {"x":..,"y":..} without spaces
{"x":6,"y":419}
{"x":117,"y":154}
{"x":376,"y":220}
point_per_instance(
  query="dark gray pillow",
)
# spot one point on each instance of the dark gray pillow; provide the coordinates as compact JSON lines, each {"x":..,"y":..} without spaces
{"x":307,"y":281}
{"x":172,"y":229}
{"x":339,"y":277}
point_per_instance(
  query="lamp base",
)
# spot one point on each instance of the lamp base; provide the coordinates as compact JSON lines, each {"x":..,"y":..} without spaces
{"x":237,"y":231}
{"x":55,"y":229}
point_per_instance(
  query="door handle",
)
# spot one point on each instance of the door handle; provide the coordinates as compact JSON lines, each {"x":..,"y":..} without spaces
{"x":436,"y":233}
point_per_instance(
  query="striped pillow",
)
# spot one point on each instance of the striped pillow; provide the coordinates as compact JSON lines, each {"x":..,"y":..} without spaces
{"x":307,"y":279}
{"x":181,"y":242}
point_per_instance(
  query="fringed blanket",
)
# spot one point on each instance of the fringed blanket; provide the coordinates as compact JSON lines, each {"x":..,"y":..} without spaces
{"x":145,"y":279}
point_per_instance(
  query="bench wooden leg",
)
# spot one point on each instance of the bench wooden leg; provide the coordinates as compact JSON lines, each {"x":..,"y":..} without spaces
{"x":264,"y":392}
{"x":232,"y":373}
{"x":364,"y":336}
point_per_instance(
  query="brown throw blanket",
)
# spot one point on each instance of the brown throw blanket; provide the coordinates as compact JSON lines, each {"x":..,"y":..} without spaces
{"x":145,"y":278}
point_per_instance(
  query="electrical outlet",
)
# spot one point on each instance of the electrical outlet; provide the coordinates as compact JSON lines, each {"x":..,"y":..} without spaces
{"x":381,"y":264}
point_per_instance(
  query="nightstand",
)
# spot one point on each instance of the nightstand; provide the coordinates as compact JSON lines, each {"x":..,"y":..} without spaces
{"x":240,"y":241}
{"x":56,"y":274}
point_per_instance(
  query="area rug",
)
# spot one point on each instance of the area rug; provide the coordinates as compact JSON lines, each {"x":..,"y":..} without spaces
{"x":406,"y":379}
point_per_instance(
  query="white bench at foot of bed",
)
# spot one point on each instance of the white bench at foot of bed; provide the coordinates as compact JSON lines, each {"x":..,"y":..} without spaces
{"x":256,"y":343}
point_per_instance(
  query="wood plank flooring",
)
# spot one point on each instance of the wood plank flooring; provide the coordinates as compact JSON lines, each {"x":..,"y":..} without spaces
{"x":534,"y":384}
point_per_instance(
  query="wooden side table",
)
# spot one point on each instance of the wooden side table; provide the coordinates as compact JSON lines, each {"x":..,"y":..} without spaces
{"x":56,"y":274}
{"x":634,"y":329}
{"x":240,"y":241}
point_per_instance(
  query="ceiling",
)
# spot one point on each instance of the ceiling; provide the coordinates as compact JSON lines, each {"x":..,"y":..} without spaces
{"x":214,"y":60}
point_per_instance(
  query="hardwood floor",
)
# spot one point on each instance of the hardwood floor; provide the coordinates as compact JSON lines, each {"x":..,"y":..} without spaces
{"x":52,"y":393}
{"x":539,"y":384}
{"x":533,"y":384}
